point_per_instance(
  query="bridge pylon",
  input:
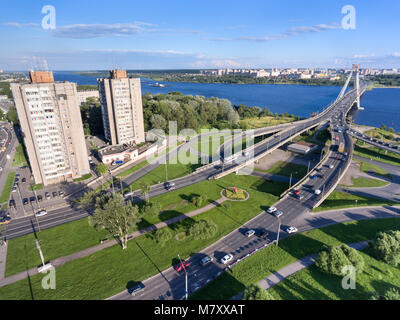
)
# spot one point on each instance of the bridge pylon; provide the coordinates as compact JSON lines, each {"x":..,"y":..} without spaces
{"x":356,"y":68}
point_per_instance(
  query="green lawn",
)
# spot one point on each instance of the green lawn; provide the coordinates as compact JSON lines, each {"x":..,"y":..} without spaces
{"x":377,"y":155}
{"x":362,"y":182}
{"x":83,"y":178}
{"x":107,"y":272}
{"x":341,"y":200}
{"x":5,"y":195}
{"x":312,"y":284}
{"x":19,"y":157}
{"x":371,"y":168}
{"x":283,"y":168}
{"x":273,"y":258}
{"x":36,"y":187}
{"x":132,"y":169}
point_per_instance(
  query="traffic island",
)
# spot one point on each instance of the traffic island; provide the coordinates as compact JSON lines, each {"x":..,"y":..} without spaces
{"x":235,"y":194}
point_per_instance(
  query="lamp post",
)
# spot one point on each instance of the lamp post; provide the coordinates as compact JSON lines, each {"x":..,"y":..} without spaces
{"x":186,"y":277}
{"x":277,"y":236}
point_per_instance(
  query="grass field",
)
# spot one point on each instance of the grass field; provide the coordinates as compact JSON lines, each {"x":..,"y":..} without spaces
{"x":376,"y":154}
{"x":107,"y":272}
{"x":19,"y":157}
{"x":273,"y":258}
{"x":312,"y":284}
{"x":371,"y":168}
{"x":132,"y":169}
{"x":36,"y":187}
{"x":362,"y":182}
{"x":83,"y":178}
{"x":268,"y":121}
{"x":340,"y":200}
{"x":283,"y":168}
{"x":5,"y":194}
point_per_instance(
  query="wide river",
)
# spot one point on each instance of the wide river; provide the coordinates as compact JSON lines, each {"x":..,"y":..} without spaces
{"x":382,"y":106}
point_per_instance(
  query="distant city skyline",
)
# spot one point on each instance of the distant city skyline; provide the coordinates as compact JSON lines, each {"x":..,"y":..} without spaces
{"x":141,"y":35}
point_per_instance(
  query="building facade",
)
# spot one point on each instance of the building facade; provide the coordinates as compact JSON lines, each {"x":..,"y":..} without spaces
{"x":121,"y":107}
{"x":51,"y":124}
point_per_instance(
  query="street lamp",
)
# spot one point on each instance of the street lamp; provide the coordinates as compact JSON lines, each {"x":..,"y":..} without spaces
{"x":277,"y":236}
{"x":186,"y":277}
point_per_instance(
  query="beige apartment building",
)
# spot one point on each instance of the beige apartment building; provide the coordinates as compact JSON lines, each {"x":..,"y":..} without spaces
{"x":51,"y":123}
{"x":121,"y":107}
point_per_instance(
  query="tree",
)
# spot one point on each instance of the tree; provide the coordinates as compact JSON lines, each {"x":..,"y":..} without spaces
{"x":332,"y":259}
{"x":161,"y":236}
{"x":151,"y":209}
{"x":145,"y":190}
{"x":203,"y":229}
{"x":88,"y":201}
{"x":12,"y":115}
{"x":118,"y":218}
{"x":390,"y":294}
{"x":255,"y":292}
{"x":386,"y":247}
{"x":101,"y":169}
{"x":383,"y":127}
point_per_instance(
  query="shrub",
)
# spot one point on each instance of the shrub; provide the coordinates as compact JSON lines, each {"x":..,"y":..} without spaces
{"x":162,"y":236}
{"x":332,"y":259}
{"x":386,"y":247}
{"x":390,"y":294}
{"x":203,"y":229}
{"x":255,"y":292}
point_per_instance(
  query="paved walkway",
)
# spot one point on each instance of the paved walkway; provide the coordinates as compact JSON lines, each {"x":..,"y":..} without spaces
{"x":87,"y":252}
{"x":3,"y":259}
{"x":292,"y":268}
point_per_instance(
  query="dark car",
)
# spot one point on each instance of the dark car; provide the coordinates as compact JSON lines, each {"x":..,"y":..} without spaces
{"x":23,"y":180}
{"x":5,"y":220}
{"x":262,"y":234}
{"x":136,"y":289}
{"x":39,"y":198}
{"x":25,"y":201}
{"x":169,"y":185}
{"x":32,"y":199}
{"x":55,"y":194}
{"x":12,"y":203}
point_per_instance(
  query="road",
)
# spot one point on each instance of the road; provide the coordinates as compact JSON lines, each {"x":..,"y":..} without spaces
{"x":375,"y":142}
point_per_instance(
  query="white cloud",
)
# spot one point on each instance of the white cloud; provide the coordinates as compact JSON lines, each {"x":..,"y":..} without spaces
{"x":20,"y":25}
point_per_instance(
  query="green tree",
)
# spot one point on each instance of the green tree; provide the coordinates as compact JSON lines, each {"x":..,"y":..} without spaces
{"x":255,"y":292}
{"x":386,"y":247}
{"x":203,"y":229}
{"x":87,"y":201}
{"x":12,"y":116}
{"x":101,"y":169}
{"x":390,"y":294}
{"x":118,"y":218}
{"x":145,"y":190}
{"x":332,"y":259}
{"x":161,"y":236}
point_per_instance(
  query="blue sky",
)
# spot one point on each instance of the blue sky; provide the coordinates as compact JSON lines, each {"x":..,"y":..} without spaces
{"x":179,"y":34}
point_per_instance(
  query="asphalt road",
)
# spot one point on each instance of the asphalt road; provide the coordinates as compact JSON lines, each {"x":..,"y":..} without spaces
{"x":375,"y":142}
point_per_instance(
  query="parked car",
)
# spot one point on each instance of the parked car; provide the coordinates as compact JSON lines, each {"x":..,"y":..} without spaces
{"x":55,"y":194}
{"x":262,"y":234}
{"x":25,"y":201}
{"x":5,"y":220}
{"x":23,"y":180}
{"x":41,"y":213}
{"x":136,"y":289}
{"x":12,"y":203}
{"x":206,"y":260}
{"x":182,"y":265}
{"x":225,"y":259}
{"x":60,"y":193}
{"x":313,"y":177}
{"x":39,"y":198}
{"x":32,"y":199}
{"x":250,"y":233}
{"x":291,"y":230}
{"x":14,"y":189}
{"x":278,"y":213}
{"x":47,"y":195}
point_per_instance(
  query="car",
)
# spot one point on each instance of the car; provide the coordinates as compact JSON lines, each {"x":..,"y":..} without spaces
{"x":182,"y":265}
{"x":313,"y":177}
{"x":14,"y":189}
{"x":278,"y":213}
{"x":25,"y":201}
{"x":225,"y":259}
{"x":17,"y":175}
{"x":23,"y":180}
{"x":206,"y":260}
{"x":41,"y":213}
{"x":55,"y":194}
{"x":271,"y":209}
{"x":47,"y":195}
{"x":60,"y":193}
{"x":291,"y":230}
{"x":5,"y":220}
{"x":16,"y":180}
{"x":296,"y":192}
{"x":262,"y":234}
{"x":317,"y":192}
{"x":12,"y":203}
{"x":331,"y":166}
{"x":169,"y":185}
{"x":299,"y":196}
{"x":1,"y":168}
{"x":32,"y":199}
{"x":250,"y":233}
{"x":139,"y":287}
{"x":39,"y":198}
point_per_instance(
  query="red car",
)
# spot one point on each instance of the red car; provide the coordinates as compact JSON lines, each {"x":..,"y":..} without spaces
{"x":182,"y":265}
{"x":296,"y":192}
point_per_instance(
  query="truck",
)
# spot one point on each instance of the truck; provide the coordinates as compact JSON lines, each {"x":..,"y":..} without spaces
{"x":341,"y":147}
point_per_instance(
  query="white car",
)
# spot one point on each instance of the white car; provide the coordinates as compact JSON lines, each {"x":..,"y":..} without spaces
{"x":317,"y":192}
{"x":331,"y":166}
{"x":250,"y":233}
{"x":41,"y":213}
{"x":271,"y":209}
{"x":226,"y":258}
{"x":291,"y":230}
{"x":278,"y":213}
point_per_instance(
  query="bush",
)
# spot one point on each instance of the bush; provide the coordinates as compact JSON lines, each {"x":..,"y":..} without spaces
{"x":386,"y":247}
{"x":161,"y":236}
{"x":332,"y":259}
{"x":390,"y":294}
{"x":255,"y":292}
{"x":203,"y":230}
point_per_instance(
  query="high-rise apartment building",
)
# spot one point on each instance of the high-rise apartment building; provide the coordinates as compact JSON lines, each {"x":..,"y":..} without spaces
{"x":50,"y":119}
{"x":121,"y":107}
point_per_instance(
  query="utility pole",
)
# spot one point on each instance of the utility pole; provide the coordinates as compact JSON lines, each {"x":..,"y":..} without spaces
{"x":308,"y":169}
{"x":186,"y":277}
{"x":277,"y":236}
{"x":112,"y":182}
{"x":290,"y":181}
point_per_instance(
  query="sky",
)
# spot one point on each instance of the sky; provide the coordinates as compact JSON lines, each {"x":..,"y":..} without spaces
{"x":189,"y":34}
